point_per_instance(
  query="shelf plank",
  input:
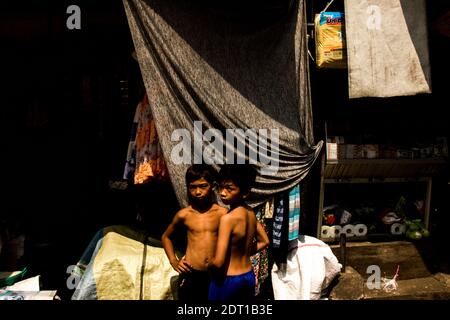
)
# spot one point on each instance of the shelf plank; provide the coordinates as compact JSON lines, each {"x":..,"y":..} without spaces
{"x":387,"y":161}
{"x":382,"y":168}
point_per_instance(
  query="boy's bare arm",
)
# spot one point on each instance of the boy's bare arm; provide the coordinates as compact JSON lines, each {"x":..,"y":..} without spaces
{"x":223,"y":240}
{"x":262,"y":239}
{"x":181,"y":266}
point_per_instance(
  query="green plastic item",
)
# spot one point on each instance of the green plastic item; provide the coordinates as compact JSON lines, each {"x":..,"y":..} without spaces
{"x":425,"y":233}
{"x":416,"y":229}
{"x":13,"y":278}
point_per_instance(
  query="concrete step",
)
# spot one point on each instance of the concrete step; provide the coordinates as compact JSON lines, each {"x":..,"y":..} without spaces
{"x":429,"y":288}
{"x":352,"y":286}
{"x":387,"y":256}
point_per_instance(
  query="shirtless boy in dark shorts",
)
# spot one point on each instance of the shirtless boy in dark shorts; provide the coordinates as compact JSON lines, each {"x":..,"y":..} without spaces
{"x":201,"y":219}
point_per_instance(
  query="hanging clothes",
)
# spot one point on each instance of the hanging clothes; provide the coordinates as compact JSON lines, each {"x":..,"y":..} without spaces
{"x":130,"y":164}
{"x":260,"y":260}
{"x":270,"y":207}
{"x":286,"y":222}
{"x":278,"y":223}
{"x":145,"y":159}
{"x":280,"y":229}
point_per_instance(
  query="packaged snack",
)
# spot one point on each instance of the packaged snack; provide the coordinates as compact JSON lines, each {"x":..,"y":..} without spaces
{"x":330,"y":40}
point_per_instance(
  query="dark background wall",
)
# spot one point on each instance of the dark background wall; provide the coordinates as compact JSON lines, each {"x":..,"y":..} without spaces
{"x":68,"y":99}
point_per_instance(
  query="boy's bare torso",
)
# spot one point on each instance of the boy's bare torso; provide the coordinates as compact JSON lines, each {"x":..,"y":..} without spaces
{"x":202,"y":231}
{"x":243,"y":233}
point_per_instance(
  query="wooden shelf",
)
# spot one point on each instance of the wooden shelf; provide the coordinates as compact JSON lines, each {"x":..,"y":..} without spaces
{"x":382,"y":168}
{"x":349,"y":239}
{"x":379,"y":171}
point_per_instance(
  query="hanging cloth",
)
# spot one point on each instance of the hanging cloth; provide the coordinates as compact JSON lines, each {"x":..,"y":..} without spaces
{"x":294,"y":213}
{"x":198,"y":65}
{"x":387,"y":48}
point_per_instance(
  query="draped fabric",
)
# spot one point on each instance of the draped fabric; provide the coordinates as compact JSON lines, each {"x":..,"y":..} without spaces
{"x":387,"y":48}
{"x":205,"y":68}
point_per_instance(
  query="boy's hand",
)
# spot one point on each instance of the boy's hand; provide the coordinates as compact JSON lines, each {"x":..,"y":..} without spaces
{"x":182,"y":266}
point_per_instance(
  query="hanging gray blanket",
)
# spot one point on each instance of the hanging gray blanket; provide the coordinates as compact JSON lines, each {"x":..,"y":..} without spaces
{"x":208,"y":67}
{"x":387,"y":48}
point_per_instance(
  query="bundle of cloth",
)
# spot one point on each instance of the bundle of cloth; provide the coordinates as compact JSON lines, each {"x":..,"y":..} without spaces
{"x":308,"y":271}
{"x":123,"y":263}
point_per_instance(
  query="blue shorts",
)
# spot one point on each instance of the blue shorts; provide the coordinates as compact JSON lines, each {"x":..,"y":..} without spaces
{"x":233,"y":288}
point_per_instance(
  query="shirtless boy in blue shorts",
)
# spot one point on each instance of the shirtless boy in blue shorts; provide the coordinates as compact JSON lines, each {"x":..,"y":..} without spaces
{"x":234,"y":278}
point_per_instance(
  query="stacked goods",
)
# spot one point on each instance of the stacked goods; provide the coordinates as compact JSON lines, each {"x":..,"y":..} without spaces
{"x":370,"y":151}
{"x":336,"y":148}
{"x":353,"y":151}
{"x":331,"y":149}
{"x":405,"y":154}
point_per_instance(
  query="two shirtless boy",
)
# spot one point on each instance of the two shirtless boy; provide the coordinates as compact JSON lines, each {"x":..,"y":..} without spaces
{"x":220,"y":241}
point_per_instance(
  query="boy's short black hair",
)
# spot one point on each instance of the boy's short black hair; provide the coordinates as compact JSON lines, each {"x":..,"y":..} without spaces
{"x":243,"y":175}
{"x":198,"y":171}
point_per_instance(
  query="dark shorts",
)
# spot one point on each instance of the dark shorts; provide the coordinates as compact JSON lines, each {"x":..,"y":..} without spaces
{"x":234,"y":288}
{"x":193,"y":286}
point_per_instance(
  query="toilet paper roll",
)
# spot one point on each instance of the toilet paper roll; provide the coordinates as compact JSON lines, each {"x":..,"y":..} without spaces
{"x":349,"y":230}
{"x":325,"y":232}
{"x":360,"y":230}
{"x":335,"y":231}
{"x":398,"y":228}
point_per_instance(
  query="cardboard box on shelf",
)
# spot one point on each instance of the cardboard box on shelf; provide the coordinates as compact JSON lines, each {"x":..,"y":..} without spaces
{"x":405,"y":154}
{"x":387,"y":152}
{"x":332,"y":151}
{"x":341,"y":151}
{"x":370,"y":151}
{"x":440,"y":149}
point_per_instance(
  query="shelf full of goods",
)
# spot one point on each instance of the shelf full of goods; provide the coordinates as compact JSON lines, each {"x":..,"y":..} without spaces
{"x":367,"y":221}
{"x":337,"y":148}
